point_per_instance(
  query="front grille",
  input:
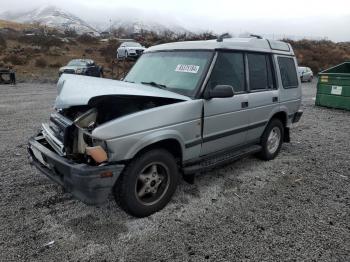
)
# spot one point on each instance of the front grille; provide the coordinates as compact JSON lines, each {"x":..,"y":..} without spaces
{"x":139,"y":52}
{"x":57,"y":131}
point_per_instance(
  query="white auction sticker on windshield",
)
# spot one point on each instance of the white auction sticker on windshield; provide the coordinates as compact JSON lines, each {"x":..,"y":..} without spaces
{"x":187,"y":68}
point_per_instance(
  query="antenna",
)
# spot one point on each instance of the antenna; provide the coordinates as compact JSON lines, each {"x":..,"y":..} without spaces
{"x":256,"y":36}
{"x":221,"y":37}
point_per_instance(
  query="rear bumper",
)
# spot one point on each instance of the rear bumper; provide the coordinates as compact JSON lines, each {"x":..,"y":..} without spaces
{"x":87,"y":183}
{"x":297,"y":116}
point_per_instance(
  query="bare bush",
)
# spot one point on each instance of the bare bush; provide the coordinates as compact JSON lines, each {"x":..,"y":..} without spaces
{"x":70,"y":32}
{"x":55,"y":65}
{"x":109,"y":51}
{"x":42,"y":40}
{"x":89,"y":50}
{"x":3,"y":43}
{"x":40,"y":62}
{"x":320,"y":55}
{"x":15,"y":59}
{"x":87,"y":39}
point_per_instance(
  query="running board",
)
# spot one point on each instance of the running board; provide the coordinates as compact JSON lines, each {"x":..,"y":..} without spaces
{"x":210,"y":163}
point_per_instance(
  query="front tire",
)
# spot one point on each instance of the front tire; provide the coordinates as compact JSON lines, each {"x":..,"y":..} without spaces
{"x":148,"y":183}
{"x":271,"y":140}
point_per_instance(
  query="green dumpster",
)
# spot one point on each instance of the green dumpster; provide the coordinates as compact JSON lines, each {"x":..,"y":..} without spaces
{"x":333,"y":87}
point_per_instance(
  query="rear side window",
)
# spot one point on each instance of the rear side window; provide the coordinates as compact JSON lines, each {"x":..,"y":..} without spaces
{"x":288,"y":73}
{"x":228,"y":70}
{"x":260,"y":72}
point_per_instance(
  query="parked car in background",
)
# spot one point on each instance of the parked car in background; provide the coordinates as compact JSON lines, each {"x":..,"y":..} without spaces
{"x":183,"y":108}
{"x":130,"y":50}
{"x":82,"y":67}
{"x":305,"y":74}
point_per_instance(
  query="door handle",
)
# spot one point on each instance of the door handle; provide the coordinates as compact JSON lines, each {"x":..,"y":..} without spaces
{"x":245,"y":104}
{"x":275,"y":99}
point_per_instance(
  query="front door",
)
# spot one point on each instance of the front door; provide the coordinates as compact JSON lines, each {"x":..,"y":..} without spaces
{"x":226,"y":119}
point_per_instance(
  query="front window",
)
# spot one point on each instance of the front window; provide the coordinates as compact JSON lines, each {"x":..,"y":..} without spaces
{"x":132,"y":44}
{"x":229,"y":70}
{"x":77,"y":63}
{"x":176,"y":71}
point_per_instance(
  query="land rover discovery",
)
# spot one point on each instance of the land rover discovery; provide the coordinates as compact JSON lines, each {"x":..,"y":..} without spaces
{"x":183,"y":108}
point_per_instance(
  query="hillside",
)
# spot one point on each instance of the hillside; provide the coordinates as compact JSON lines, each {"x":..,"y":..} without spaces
{"x":320,"y":55}
{"x":14,"y":25}
{"x":53,"y":17}
{"x":39,"y":56}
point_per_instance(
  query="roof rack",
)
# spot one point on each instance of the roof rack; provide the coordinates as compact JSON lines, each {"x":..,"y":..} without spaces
{"x":221,"y":37}
{"x":256,"y":36}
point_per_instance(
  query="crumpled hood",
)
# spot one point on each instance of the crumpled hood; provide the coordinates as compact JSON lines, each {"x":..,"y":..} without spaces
{"x":74,"y":90}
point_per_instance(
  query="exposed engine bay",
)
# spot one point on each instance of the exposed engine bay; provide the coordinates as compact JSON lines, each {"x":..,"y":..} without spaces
{"x":70,"y":130}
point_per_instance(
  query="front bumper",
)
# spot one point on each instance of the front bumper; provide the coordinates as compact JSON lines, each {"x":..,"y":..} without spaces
{"x":90,"y":184}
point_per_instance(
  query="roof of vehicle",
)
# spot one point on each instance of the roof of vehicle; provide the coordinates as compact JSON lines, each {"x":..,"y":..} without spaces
{"x":249,"y":44}
{"x":83,"y":60}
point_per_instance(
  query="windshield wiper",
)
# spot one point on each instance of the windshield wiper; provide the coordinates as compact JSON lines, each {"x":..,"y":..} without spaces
{"x":154,"y":84}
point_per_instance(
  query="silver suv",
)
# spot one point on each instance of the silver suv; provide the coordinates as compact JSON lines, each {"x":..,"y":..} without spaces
{"x":184,"y":108}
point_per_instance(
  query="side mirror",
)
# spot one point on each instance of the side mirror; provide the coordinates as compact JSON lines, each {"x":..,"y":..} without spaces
{"x":219,"y":91}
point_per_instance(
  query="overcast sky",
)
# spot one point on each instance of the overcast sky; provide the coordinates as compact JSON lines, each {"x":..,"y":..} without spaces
{"x":297,"y":17}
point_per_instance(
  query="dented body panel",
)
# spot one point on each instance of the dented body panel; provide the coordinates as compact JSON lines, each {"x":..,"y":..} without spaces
{"x":127,"y":135}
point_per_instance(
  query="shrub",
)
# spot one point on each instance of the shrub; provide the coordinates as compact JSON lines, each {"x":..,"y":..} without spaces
{"x":55,"y":65}
{"x":3,"y":43}
{"x":40,"y":62}
{"x":320,"y":55}
{"x":70,"y":32}
{"x":15,"y":59}
{"x":89,"y":50}
{"x":87,"y":39}
{"x":110,"y":51}
{"x":44,"y":41}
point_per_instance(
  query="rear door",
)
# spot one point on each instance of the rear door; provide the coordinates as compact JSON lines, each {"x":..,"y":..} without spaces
{"x":290,"y":87}
{"x":225,"y":119}
{"x":263,"y":95}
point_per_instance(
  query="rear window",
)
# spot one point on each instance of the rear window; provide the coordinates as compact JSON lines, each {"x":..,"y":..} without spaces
{"x":288,"y":73}
{"x":260,"y":72}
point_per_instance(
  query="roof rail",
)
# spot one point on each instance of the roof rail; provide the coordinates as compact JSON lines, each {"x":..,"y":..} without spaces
{"x":256,"y":36}
{"x":221,"y":37}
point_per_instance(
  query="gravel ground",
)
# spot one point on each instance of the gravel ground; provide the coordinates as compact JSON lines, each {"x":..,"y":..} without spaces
{"x":296,"y":207}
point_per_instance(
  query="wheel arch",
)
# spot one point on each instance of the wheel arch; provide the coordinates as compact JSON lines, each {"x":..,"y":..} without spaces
{"x":171,"y":141}
{"x":283,"y":117}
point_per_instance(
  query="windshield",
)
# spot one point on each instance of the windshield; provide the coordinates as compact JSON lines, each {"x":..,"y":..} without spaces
{"x":176,"y":71}
{"x":132,"y":44}
{"x":77,"y":63}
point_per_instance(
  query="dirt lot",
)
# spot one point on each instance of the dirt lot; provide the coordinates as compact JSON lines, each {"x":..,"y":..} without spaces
{"x":296,"y":207}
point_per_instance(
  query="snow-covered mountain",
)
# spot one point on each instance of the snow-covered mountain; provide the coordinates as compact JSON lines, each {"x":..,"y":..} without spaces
{"x":137,"y":24}
{"x":51,"y":16}
{"x":131,"y":20}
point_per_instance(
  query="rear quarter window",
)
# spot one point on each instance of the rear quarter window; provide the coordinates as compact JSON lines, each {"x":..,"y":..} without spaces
{"x":288,"y":72}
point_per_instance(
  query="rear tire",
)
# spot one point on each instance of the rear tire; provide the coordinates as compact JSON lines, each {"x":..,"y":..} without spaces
{"x":271,"y":140}
{"x":148,"y":183}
